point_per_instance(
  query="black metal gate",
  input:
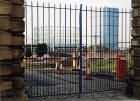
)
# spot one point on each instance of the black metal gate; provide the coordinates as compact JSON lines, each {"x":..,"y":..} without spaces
{"x":74,"y":50}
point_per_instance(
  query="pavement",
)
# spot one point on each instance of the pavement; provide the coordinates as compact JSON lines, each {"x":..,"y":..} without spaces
{"x":111,"y":95}
{"x":54,"y":83}
{"x":39,"y":83}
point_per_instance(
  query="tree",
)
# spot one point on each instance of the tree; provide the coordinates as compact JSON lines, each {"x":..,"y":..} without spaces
{"x":41,"y":49}
{"x":28,"y":52}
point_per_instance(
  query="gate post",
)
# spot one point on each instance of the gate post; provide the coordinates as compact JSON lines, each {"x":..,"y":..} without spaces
{"x":135,"y":51}
{"x":80,"y":22}
{"x":12,"y":50}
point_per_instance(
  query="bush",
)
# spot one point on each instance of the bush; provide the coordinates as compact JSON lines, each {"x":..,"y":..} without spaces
{"x":28,"y":52}
{"x":41,"y":49}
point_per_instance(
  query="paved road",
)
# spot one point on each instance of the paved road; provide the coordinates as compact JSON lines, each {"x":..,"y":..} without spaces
{"x":103,"y":96}
{"x":39,"y":83}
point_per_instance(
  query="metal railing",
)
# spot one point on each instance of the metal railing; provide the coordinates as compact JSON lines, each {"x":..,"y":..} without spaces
{"x":74,"y":50}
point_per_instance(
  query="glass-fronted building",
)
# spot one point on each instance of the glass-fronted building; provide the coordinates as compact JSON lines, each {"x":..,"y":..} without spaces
{"x":110,"y":28}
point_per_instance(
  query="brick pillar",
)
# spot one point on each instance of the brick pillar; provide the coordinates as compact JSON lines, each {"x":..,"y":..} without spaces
{"x":135,"y":53}
{"x":11,"y":50}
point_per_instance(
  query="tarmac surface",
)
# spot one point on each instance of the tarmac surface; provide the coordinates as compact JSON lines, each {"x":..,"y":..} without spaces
{"x":109,"y":95}
{"x":54,"y":84}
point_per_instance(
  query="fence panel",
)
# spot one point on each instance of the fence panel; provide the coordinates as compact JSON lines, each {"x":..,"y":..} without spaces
{"x":75,"y":49}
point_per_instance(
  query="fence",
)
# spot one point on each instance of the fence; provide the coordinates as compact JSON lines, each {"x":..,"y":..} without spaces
{"x":74,"y":50}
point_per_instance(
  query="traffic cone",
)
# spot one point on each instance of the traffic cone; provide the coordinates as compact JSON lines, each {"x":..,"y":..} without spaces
{"x":56,"y":66}
{"x":61,"y":68}
{"x":88,"y":74}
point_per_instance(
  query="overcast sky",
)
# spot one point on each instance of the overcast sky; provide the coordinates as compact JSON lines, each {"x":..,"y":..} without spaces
{"x":109,"y":3}
{"x":125,"y":4}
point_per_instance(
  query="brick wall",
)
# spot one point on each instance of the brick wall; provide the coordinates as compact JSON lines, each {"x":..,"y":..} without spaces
{"x":12,"y":50}
{"x":135,"y":43}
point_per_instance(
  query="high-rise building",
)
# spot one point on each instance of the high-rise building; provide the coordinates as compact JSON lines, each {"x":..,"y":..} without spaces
{"x":110,"y":28}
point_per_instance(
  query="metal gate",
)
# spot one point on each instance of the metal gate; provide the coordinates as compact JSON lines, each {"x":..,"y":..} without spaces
{"x":74,"y":50}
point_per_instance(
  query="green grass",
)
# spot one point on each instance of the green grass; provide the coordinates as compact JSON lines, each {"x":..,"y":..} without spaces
{"x":100,"y":65}
{"x":106,"y":65}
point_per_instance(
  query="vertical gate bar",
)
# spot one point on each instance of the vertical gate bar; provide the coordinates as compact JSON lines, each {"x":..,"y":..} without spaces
{"x":103,"y":42}
{"x":117,"y":49}
{"x":106,"y":43}
{"x":70,"y":48}
{"x":60,"y":44}
{"x":97,"y":32}
{"x":116,"y":44}
{"x":43,"y":55}
{"x":121,"y":41}
{"x":26,"y":36}
{"x":39,"y":30}
{"x":129,"y":36}
{"x":54,"y":50}
{"x":80,"y":86}
{"x":51,"y":38}
{"x":32,"y":39}
{"x":86,"y":48}
{"x":57,"y":51}
{"x":39,"y":62}
{"x":51,"y":43}
{"x":94,"y":36}
{"x":60,"y":22}
{"x":76,"y":47}
{"x":126,"y":26}
{"x":109,"y":45}
{"x":91,"y":50}
{"x":96,"y":41}
{"x":118,"y":28}
{"x":63,"y":31}
{"x":37,"y":44}
{"x":65,"y":39}
{"x":100,"y":45}
{"x":114,"y":50}
{"x":37,"y":25}
{"x":104,"y":39}
{"x":43,"y":23}
{"x":47,"y":78}
{"x":97,"y":61}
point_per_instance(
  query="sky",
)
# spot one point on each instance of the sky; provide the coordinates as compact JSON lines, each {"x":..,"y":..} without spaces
{"x":102,"y":3}
{"x":125,"y":4}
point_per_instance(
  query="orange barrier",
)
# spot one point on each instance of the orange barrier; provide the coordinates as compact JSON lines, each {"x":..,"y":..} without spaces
{"x":121,"y":66}
{"x":102,"y":58}
{"x":69,"y":58}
